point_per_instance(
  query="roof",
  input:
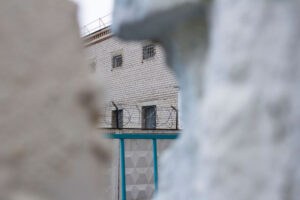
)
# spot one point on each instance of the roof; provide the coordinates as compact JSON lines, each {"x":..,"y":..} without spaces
{"x":97,"y":36}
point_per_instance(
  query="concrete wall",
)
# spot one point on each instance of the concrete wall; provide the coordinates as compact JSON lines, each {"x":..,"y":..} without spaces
{"x":139,"y":164}
{"x":139,"y":167}
{"x":48,"y":148}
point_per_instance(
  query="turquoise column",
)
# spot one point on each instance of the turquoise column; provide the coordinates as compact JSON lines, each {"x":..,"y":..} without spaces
{"x":123,"y":175}
{"x":155,"y":165}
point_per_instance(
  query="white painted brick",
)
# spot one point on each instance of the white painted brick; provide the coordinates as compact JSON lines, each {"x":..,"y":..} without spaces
{"x":135,"y":82}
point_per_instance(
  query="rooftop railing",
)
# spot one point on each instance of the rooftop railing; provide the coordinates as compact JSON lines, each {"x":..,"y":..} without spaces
{"x":97,"y":24}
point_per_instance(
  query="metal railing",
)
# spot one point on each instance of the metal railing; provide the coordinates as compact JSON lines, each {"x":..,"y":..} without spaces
{"x":97,"y":24}
{"x":154,"y":139}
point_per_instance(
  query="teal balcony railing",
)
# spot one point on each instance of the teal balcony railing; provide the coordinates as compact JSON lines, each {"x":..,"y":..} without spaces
{"x":154,"y":138}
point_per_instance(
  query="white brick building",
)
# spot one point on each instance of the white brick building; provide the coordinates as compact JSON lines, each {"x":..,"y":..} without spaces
{"x":141,"y":81}
{"x":145,"y":90}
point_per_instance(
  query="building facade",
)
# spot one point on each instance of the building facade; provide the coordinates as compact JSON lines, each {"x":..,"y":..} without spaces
{"x":141,"y":97}
{"x":141,"y":91}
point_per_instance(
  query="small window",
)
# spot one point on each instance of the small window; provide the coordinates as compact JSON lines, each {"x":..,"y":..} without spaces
{"x":92,"y":66}
{"x":149,"y":117}
{"x":117,"y":119}
{"x":148,"y":51}
{"x":117,"y":61}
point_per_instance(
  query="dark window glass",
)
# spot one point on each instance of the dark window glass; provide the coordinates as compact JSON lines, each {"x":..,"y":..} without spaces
{"x":117,"y":119}
{"x":149,"y":117}
{"x":148,"y":51}
{"x":117,"y":61}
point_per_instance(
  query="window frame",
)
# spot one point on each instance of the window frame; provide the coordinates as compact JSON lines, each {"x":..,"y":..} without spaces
{"x":148,"y":52}
{"x":115,"y":62}
{"x":114,"y":114}
{"x":145,"y":124}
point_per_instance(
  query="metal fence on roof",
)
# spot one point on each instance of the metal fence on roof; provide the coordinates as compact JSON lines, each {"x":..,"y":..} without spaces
{"x":96,"y":25}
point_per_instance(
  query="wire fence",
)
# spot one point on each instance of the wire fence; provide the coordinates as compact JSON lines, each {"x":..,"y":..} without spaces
{"x":134,"y":116}
{"x":96,"y":25}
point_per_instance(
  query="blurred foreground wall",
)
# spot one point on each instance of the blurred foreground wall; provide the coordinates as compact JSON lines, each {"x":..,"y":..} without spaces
{"x":45,"y":148}
{"x":237,"y":62}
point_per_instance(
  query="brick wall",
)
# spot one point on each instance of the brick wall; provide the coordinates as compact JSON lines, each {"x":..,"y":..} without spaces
{"x":136,"y":83}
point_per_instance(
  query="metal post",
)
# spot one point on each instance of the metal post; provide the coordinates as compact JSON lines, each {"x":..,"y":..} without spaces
{"x":155,"y":164}
{"x":123,"y":175}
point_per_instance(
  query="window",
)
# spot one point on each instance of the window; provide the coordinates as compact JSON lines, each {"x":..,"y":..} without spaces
{"x":117,"y":61}
{"x":149,"y":117}
{"x":92,"y":66}
{"x":117,"y":119}
{"x":148,"y":51}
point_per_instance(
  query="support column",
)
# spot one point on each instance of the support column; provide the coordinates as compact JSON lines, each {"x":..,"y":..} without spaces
{"x":123,"y":174}
{"x":155,"y":165}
